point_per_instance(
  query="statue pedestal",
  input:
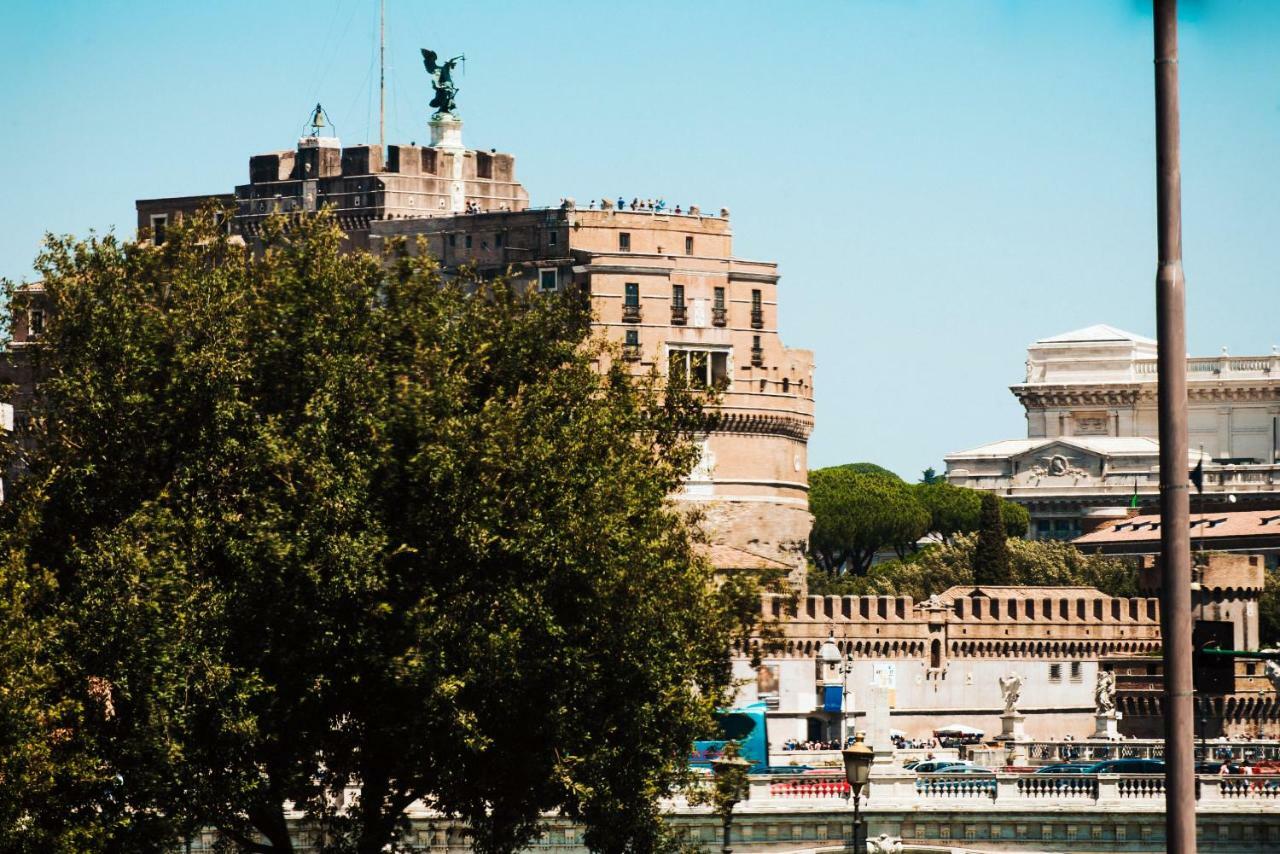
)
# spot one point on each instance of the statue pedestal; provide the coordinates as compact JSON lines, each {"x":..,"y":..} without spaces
{"x":1106,"y":726}
{"x":446,"y":134}
{"x":1011,"y":727}
{"x":446,"y":131}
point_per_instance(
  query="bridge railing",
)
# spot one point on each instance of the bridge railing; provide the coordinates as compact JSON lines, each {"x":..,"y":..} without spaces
{"x":1066,"y":789}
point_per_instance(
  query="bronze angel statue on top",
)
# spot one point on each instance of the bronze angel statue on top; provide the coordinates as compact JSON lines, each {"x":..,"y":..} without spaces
{"x":442,"y":81}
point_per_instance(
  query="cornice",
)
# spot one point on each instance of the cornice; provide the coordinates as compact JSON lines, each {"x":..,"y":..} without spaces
{"x":771,"y":425}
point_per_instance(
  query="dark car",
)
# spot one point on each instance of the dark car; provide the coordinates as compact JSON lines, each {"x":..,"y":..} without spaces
{"x":1066,"y":768}
{"x":1127,"y":766}
{"x":931,"y":766}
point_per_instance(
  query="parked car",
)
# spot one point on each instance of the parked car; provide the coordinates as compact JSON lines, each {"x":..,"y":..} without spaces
{"x":932,"y":766}
{"x":1066,"y":768}
{"x":1127,"y":766}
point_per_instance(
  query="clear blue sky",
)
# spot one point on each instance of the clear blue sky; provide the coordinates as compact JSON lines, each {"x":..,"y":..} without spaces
{"x":942,"y":182}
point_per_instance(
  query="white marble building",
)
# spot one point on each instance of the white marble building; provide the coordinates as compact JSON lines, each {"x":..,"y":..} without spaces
{"x":1090,"y":400}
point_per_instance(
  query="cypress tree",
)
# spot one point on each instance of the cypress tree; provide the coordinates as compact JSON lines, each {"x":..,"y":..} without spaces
{"x":991,"y":556}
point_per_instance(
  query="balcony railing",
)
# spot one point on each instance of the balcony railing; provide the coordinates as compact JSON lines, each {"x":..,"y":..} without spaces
{"x":679,"y":315}
{"x":631,"y":352}
{"x":757,"y":318}
{"x":630,"y":314}
{"x":757,"y":356}
{"x":719,"y":316}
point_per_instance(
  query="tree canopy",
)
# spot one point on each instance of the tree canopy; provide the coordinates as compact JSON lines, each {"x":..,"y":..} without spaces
{"x":856,"y":513}
{"x":303,"y":520}
{"x":957,"y":510}
{"x":1035,"y":563}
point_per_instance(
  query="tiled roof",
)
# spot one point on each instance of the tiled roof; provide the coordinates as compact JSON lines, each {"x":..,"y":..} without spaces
{"x":965,"y":591}
{"x":1209,"y":526}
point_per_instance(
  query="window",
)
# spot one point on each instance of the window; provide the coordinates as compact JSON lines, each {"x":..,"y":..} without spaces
{"x":756,"y":303}
{"x":786,"y":385}
{"x":677,"y":295}
{"x":757,"y":352}
{"x":35,"y":323}
{"x":468,"y":238}
{"x":719,"y":302}
{"x":453,"y":240}
{"x":1076,"y":672}
{"x":633,"y":294}
{"x":159,"y":223}
{"x":547,"y":279}
{"x":633,"y":337}
{"x":624,"y":241}
{"x":757,"y":310}
{"x":935,"y":654}
{"x":688,"y":245}
{"x":704,"y":368}
{"x":1055,"y":672}
{"x":631,"y":345}
{"x":552,"y":237}
{"x":497,"y":240}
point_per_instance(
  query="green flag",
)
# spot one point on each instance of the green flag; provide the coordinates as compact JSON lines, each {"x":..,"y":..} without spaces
{"x":1133,"y":502}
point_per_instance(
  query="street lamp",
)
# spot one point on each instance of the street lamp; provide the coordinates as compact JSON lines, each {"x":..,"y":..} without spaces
{"x":829,"y":654}
{"x":731,"y":786}
{"x":857,"y":768}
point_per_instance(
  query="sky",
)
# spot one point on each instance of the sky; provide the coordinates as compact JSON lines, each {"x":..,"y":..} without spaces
{"x":942,"y":183}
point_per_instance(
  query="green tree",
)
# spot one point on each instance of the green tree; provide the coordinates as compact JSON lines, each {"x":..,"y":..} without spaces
{"x":1016,"y":518}
{"x":303,"y":521}
{"x":991,"y":556}
{"x":871,"y":468}
{"x":1033,"y":563}
{"x":930,"y":475}
{"x":955,"y":510}
{"x":857,"y":513}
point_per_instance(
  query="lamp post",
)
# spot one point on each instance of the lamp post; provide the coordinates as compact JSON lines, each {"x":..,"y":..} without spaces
{"x":731,"y":786}
{"x":829,"y":655}
{"x":857,"y":768}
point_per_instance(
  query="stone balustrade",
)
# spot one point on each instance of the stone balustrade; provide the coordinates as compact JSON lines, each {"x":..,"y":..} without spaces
{"x":899,"y":788}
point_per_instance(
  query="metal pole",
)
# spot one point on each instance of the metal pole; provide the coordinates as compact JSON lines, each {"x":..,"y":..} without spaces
{"x":1175,"y":544}
{"x":857,"y":820}
{"x":382,"y":75}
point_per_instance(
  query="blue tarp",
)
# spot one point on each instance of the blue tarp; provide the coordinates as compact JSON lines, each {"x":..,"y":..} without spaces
{"x":832,"y":696}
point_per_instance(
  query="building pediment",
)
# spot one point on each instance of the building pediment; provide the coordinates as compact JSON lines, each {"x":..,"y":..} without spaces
{"x":1059,"y":459}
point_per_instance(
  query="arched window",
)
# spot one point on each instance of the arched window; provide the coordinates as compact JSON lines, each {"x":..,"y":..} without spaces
{"x":935,"y":654}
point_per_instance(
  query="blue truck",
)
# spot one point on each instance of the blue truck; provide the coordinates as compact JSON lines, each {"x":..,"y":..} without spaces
{"x":747,"y":726}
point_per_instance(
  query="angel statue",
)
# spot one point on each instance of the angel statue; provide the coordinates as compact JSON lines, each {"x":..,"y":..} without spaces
{"x":1272,"y":671}
{"x":1011,"y":688}
{"x":442,"y":81}
{"x":1104,"y":695}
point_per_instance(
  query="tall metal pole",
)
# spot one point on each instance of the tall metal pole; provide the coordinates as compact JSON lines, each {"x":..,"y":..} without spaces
{"x":1175,"y":537}
{"x":382,"y":75}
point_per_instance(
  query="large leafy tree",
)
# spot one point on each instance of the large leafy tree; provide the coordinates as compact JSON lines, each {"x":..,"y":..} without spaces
{"x":955,"y":510}
{"x":856,"y":513}
{"x":305,"y":523}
